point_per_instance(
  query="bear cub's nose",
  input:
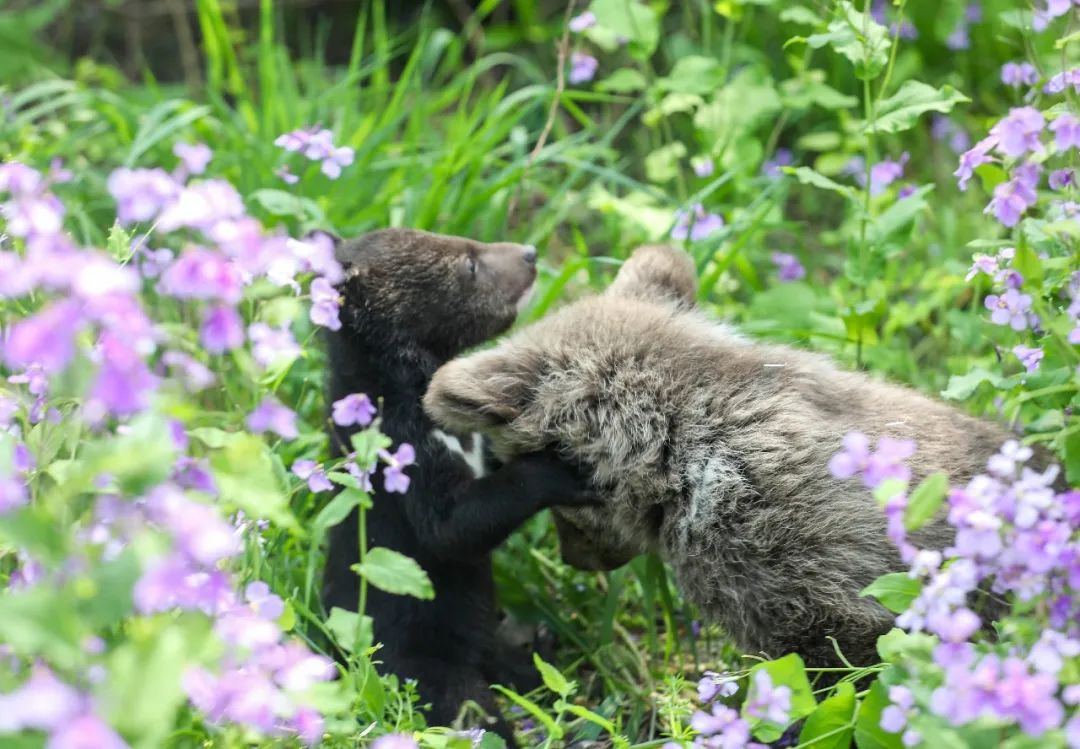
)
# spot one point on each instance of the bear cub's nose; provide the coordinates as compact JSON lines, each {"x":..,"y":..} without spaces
{"x":529,"y":253}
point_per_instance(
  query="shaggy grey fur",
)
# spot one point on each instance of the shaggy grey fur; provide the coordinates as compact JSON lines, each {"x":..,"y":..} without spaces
{"x":712,"y":450}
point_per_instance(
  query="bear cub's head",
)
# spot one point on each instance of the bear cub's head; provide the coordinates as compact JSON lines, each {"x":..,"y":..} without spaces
{"x":439,"y":292}
{"x":589,"y":380}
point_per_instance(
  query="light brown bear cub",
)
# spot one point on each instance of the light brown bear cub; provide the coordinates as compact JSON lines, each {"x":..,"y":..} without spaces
{"x":712,"y":450}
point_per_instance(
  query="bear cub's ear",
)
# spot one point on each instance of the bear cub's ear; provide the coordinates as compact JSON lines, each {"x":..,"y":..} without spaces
{"x":477,"y":392}
{"x":657,"y":272}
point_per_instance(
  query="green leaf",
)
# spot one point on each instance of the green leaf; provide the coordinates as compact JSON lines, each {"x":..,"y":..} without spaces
{"x":554,"y":730}
{"x":898,"y":215}
{"x":212,"y":436}
{"x":586,"y":714}
{"x":623,"y":81}
{"x":367,"y":444}
{"x":790,"y":672}
{"x":896,"y":645}
{"x":244,"y":474}
{"x":672,"y":103}
{"x":352,"y":632}
{"x":394,"y":572}
{"x":895,"y":591}
{"x":662,"y":164}
{"x":31,"y":529}
{"x":630,"y":19}
{"x":961,"y":387}
{"x":902,"y":110}
{"x":553,"y":679}
{"x":810,"y":90}
{"x":801,"y":15}
{"x":282,"y":203}
{"x":41,"y":622}
{"x":110,"y":601}
{"x":1072,"y":458}
{"x":1028,"y":264}
{"x":888,"y":489}
{"x":832,"y":724}
{"x":808,"y":176}
{"x":693,"y":74}
{"x":859,"y":38}
{"x":338,"y":508}
{"x":868,"y":731}
{"x":924,"y":502}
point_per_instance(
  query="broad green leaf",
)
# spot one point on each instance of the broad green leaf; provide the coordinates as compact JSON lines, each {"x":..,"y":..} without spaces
{"x":693,"y":74}
{"x":623,"y":81}
{"x":925,"y":500}
{"x":859,"y":38}
{"x":808,"y":176}
{"x":801,"y":15}
{"x":554,"y":730}
{"x":790,"y":672}
{"x":1028,"y":264}
{"x":394,"y":572}
{"x":244,"y":474}
{"x":352,"y":632}
{"x":810,"y":90}
{"x":338,"y":508}
{"x":1072,"y":458}
{"x":41,"y":622}
{"x":896,"y":645}
{"x":868,"y":731}
{"x":672,"y":103}
{"x":895,"y":591}
{"x":662,"y":164}
{"x":832,"y":724}
{"x":748,"y":100}
{"x":212,"y":436}
{"x":902,"y":110}
{"x":32,"y":530}
{"x":630,"y":19}
{"x":367,"y":444}
{"x":282,"y":203}
{"x":553,"y":679}
{"x":107,"y":600}
{"x":961,"y":387}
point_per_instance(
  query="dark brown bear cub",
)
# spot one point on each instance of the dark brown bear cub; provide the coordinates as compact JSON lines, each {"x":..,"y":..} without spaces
{"x":413,"y":300}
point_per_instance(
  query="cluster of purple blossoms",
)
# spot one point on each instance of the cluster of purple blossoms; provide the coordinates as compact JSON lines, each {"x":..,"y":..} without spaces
{"x":1016,"y":536}
{"x":944,"y":129}
{"x":582,"y":68}
{"x":960,"y":38}
{"x":905,"y":29}
{"x":887,"y":462}
{"x":358,"y":410}
{"x":46,"y":703}
{"x":774,"y":167}
{"x":882,"y":174}
{"x":696,"y":224}
{"x":316,"y":144}
{"x":1047,"y":11}
{"x":1017,"y":74}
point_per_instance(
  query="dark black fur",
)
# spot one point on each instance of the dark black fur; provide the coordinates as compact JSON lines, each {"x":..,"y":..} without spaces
{"x":412,"y":301}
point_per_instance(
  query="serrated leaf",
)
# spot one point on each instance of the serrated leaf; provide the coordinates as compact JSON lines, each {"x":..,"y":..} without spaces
{"x":553,"y":679}
{"x":859,"y":38}
{"x":895,"y":591}
{"x":352,"y":632}
{"x":662,"y":164}
{"x":630,"y":19}
{"x":790,"y":672}
{"x":367,"y":443}
{"x":896,"y":645}
{"x":396,"y":573}
{"x":338,"y":508}
{"x":832,"y":724}
{"x":961,"y":387}
{"x":623,"y":81}
{"x":913,"y":99}
{"x":693,"y":74}
{"x":925,"y":500}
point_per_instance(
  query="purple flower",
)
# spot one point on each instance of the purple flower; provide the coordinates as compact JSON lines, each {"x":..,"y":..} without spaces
{"x":194,"y":157}
{"x":769,"y":703}
{"x":272,"y":346}
{"x":1010,"y":308}
{"x":1019,"y":74}
{"x":1062,"y":178}
{"x":353,"y":409}
{"x":703,"y":167}
{"x":1066,"y":130}
{"x":198,"y":530}
{"x":173,"y":582}
{"x":1029,"y":357}
{"x":141,"y":194}
{"x":1058,"y":82}
{"x":202,"y":205}
{"x":713,"y":684}
{"x":286,"y":176}
{"x":944,"y":129}
{"x":325,"y":303}
{"x":394,"y":741}
{"x":87,"y":731}
{"x":788,"y":267}
{"x":1018,"y":132}
{"x":43,"y":703}
{"x":884,"y":173}
{"x":974,"y":158}
{"x":726,"y":729}
{"x":194,"y":375}
{"x":582,"y":68}
{"x":885,"y":463}
{"x":124,"y":383}
{"x":1005,"y":462}
{"x":895,"y":716}
{"x":394,"y":478}
{"x":267,"y":605}
{"x":696,"y":224}
{"x":1013,"y":198}
{"x":222,"y":330}
{"x":335,"y":160}
{"x":202,"y":274}
{"x":583,"y":21}
{"x":312,"y":472}
{"x":271,"y":416}
{"x":13,"y":494}
{"x":46,"y":339}
{"x":781,"y":158}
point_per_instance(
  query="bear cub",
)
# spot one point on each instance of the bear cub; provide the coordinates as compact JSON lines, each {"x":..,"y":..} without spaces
{"x":411,"y":301}
{"x":713,"y":450}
